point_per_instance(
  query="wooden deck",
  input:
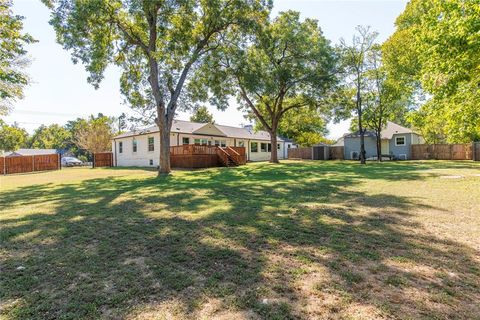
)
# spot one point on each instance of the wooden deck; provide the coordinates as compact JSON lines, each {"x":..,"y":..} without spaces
{"x":200,"y":156}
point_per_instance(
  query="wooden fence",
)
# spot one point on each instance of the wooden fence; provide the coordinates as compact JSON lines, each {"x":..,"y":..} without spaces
{"x":476,"y":151}
{"x":22,"y":164}
{"x":337,"y":153}
{"x":300,"y":153}
{"x":442,"y":151}
{"x":103,"y":159}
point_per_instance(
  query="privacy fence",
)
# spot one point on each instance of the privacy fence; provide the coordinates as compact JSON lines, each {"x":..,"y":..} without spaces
{"x":468,"y":151}
{"x":22,"y":164}
{"x":443,"y":151}
{"x":102,"y":159}
{"x":317,"y":153}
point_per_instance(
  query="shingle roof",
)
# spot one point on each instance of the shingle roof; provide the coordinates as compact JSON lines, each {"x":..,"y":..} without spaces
{"x":31,"y":152}
{"x":387,"y":133}
{"x":181,"y":126}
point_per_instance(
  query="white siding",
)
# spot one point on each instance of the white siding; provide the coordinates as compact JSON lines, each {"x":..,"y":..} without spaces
{"x":142,"y":157}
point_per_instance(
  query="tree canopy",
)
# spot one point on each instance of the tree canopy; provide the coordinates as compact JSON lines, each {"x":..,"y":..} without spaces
{"x":12,"y":137}
{"x":156,"y":43}
{"x":13,"y":58}
{"x":202,"y":115}
{"x":435,"y":51}
{"x":286,"y":64}
{"x":50,"y":137}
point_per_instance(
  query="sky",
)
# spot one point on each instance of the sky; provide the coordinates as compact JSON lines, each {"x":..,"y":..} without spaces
{"x":59,"y":90}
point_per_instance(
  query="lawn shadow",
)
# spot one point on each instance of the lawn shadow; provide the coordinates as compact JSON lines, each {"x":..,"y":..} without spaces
{"x":273,"y":241}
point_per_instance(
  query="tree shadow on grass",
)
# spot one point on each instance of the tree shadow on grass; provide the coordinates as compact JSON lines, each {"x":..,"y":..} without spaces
{"x":276,"y":242}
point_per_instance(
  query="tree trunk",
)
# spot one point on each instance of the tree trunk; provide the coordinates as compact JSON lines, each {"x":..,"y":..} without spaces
{"x":360,"y":124}
{"x":274,"y":153}
{"x":379,"y":147}
{"x":164,"y":168}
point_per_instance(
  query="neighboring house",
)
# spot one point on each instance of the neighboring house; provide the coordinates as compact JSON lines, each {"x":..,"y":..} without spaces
{"x":142,"y":148}
{"x":396,"y":142}
{"x":30,"y":152}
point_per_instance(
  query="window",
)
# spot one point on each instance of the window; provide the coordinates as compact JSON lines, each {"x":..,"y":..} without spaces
{"x":241,"y":144}
{"x":254,"y":147}
{"x":223,"y":143}
{"x":263,"y":147}
{"x":278,"y":146}
{"x":151,"y":162}
{"x":400,"y":141}
{"x":289,"y":146}
{"x":134,"y":145}
{"x":185,"y":140}
{"x":269,"y":147}
{"x":197,"y":141}
{"x":202,"y":142}
{"x":151,"y":145}
{"x":120,"y":147}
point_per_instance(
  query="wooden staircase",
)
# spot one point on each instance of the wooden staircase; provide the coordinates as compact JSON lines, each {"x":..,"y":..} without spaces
{"x":229,"y":157}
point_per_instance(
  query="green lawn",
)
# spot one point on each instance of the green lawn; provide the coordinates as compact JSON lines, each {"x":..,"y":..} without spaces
{"x":296,"y":240}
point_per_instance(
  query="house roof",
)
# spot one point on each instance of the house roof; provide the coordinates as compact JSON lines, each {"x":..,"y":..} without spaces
{"x":180,"y":126}
{"x":30,"y":152}
{"x":387,"y":133}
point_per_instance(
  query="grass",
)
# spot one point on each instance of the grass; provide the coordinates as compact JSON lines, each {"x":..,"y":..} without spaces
{"x":296,"y":240}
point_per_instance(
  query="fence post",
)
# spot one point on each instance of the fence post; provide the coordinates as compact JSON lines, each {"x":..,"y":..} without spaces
{"x":33,"y":163}
{"x":93,"y":164}
{"x":474,"y":151}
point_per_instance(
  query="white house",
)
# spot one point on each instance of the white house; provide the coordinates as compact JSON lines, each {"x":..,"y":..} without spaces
{"x":142,"y":148}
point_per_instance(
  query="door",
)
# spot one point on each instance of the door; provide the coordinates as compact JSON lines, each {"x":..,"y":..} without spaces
{"x":385,"y":147}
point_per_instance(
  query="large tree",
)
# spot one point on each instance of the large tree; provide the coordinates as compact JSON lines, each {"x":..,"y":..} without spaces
{"x":50,"y":137}
{"x":12,"y":137}
{"x":383,"y":98}
{"x":95,"y":134}
{"x":435,"y":49}
{"x":202,"y":115}
{"x":287,"y":64}
{"x":305,"y":126}
{"x":13,"y":58}
{"x":156,"y":43}
{"x":355,"y":67}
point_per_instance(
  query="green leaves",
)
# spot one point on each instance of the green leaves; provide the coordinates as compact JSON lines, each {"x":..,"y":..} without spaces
{"x":12,"y":56}
{"x":12,"y":137}
{"x":436,"y":48}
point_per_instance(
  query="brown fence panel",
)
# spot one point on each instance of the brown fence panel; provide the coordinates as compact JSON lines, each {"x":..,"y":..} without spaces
{"x":46,"y":162}
{"x":2,"y":165}
{"x":194,"y":161}
{"x":103,"y":159}
{"x":476,"y":151}
{"x":442,"y":151}
{"x":337,"y":153}
{"x":300,"y":153}
{"x":18,"y":164}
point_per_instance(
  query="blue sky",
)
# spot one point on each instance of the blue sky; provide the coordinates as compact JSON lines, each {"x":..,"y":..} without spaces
{"x":60,"y":92}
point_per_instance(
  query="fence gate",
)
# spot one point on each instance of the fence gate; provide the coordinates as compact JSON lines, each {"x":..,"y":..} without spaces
{"x":103,"y":159}
{"x":476,"y":151}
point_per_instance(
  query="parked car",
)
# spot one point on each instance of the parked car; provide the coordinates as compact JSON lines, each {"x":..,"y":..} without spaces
{"x":71,"y":162}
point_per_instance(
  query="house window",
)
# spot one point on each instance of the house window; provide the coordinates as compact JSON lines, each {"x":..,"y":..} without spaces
{"x":120,"y":147}
{"x":185,"y":140}
{"x":151,"y":146}
{"x":241,"y":144}
{"x":151,"y":162}
{"x":134,"y":145}
{"x":202,"y":142}
{"x":289,"y":146}
{"x":263,"y":147}
{"x":278,"y":146}
{"x":254,"y":147}
{"x":269,"y":147}
{"x":223,"y":143}
{"x":400,"y":141}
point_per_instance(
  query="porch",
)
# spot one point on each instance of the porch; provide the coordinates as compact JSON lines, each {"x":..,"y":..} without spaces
{"x":205,"y":156}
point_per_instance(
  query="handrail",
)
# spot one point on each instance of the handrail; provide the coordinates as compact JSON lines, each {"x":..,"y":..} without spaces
{"x":223,"y":155}
{"x":233,"y":150}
